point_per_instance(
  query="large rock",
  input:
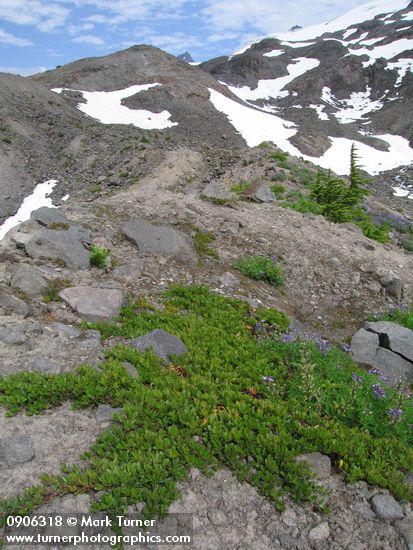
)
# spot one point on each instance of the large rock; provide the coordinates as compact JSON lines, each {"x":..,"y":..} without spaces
{"x":45,"y":366}
{"x":379,"y":344}
{"x":318,"y":463}
{"x":160,"y":240}
{"x":214,"y":191}
{"x":12,"y":336}
{"x":93,"y":303}
{"x":385,"y":507}
{"x":47,"y":216}
{"x":392,"y":365}
{"x":63,"y":246}
{"x":262,"y":194}
{"x":29,"y":279}
{"x":394,"y":337}
{"x":16,"y":450}
{"x":104,"y":413}
{"x":11,"y":304}
{"x":363,"y":347}
{"x":163,"y":344}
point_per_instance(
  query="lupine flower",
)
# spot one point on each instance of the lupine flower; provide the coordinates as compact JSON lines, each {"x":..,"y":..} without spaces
{"x":289,"y":337}
{"x":275,"y":260}
{"x":357,"y":378}
{"x":345,"y":348}
{"x":378,"y":391}
{"x":374,"y":371}
{"x":268,"y":379}
{"x":395,"y":413}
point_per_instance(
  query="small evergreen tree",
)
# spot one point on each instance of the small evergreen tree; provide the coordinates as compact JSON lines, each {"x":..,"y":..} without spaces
{"x":337,"y":199}
{"x":357,"y":183}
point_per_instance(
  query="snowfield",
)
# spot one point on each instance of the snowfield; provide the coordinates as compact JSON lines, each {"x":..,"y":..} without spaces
{"x":257,"y":126}
{"x":352,"y":17}
{"x":108,"y":109}
{"x":39,"y":197}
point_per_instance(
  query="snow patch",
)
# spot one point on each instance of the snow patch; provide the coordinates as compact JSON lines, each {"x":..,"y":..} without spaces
{"x":388,"y":51}
{"x":107,"y":108}
{"x":403,"y":66}
{"x":401,"y":192}
{"x":273,"y":53}
{"x":273,"y":88}
{"x":372,"y":41}
{"x":320,"y":109}
{"x":297,"y":44}
{"x":349,"y":32}
{"x":40,"y":197}
{"x":354,"y":108}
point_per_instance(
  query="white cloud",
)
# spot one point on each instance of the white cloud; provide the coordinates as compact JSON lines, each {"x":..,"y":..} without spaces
{"x":46,"y":16}
{"x":89,"y":39}
{"x":7,"y":38}
{"x":77,"y":29}
{"x":23,"y":71}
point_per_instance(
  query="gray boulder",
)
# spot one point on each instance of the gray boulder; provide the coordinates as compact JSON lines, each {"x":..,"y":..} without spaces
{"x":263,"y":194}
{"x":93,"y":303}
{"x":363,"y":347}
{"x":16,"y":450}
{"x":46,"y":216}
{"x":163,"y":344}
{"x":29,"y":279}
{"x":11,"y":304}
{"x":67,"y":246}
{"x":385,"y":507}
{"x":215,"y":191}
{"x":160,"y":240}
{"x":104,"y":413}
{"x":393,"y":337}
{"x":46,"y":366}
{"x":65,"y":331}
{"x":392,"y":365}
{"x":13,"y":336}
{"x":318,"y":463}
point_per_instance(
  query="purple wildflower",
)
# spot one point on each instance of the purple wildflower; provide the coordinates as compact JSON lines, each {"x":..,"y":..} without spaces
{"x":378,"y":391}
{"x":395,"y":414}
{"x":289,"y":337}
{"x":356,"y":378}
{"x":345,"y":348}
{"x":268,"y":379}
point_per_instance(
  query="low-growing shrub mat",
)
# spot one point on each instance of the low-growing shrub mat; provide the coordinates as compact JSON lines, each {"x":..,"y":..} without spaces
{"x":235,"y":399}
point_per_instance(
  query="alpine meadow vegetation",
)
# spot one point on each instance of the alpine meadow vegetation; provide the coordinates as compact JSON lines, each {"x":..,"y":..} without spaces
{"x":248,"y":395}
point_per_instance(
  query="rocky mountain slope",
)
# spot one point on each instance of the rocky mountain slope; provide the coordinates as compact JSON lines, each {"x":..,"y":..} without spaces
{"x":350,"y":79}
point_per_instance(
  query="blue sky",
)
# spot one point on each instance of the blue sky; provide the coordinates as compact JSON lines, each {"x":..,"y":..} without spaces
{"x":40,"y":34}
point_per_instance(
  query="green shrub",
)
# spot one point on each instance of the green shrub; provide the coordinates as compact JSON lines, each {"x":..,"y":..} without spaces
{"x":239,"y":188}
{"x":280,"y":158}
{"x":278,"y":189}
{"x":295,"y":200}
{"x":98,"y":255}
{"x":124,"y":174}
{"x":401,"y":314}
{"x":52,"y":292}
{"x":237,"y":399}
{"x":261,"y":268}
{"x":202,"y":244}
{"x":407,"y":244}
